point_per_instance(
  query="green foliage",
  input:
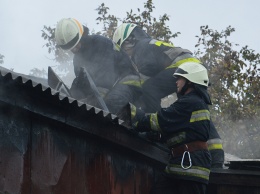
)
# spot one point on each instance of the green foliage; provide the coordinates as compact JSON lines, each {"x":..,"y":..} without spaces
{"x":157,"y":28}
{"x":109,"y":22}
{"x":234,"y":76}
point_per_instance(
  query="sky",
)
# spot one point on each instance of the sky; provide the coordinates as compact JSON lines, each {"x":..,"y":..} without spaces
{"x":22,"y":22}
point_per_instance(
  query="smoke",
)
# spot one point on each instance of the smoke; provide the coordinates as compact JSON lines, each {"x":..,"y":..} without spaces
{"x":241,"y":138}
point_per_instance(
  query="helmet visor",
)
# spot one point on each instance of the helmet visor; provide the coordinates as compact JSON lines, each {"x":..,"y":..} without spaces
{"x":180,"y":71}
{"x":71,"y":43}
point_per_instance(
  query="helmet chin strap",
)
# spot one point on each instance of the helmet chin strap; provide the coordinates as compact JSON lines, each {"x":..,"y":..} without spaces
{"x":187,"y":85}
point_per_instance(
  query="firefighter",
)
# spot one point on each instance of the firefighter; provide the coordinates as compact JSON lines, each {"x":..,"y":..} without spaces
{"x":108,"y":66}
{"x":156,"y":59}
{"x":159,"y":60}
{"x":185,"y":127}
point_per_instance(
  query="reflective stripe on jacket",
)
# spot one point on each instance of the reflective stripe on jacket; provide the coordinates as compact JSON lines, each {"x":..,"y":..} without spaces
{"x":215,"y":147}
{"x":215,"y":144}
{"x":186,"y":120}
{"x":152,"y":56}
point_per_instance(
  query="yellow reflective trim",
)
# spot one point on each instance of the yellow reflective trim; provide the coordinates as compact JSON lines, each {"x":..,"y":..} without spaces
{"x":116,"y":47}
{"x":154,"y":122}
{"x":214,"y":141}
{"x":200,"y":115}
{"x":159,"y":43}
{"x":215,"y":147}
{"x":133,"y":111}
{"x":194,"y":171}
{"x":178,"y":63}
{"x":134,"y":83}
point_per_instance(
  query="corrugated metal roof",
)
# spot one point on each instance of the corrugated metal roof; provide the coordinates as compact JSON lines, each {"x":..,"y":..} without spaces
{"x":40,"y":99}
{"x":40,"y":85}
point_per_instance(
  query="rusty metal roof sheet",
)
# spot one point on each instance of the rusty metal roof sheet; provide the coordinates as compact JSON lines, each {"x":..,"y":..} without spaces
{"x":41,"y":86}
{"x":42,"y":100}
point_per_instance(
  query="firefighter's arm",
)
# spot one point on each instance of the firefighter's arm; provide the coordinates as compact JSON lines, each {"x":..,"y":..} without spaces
{"x":141,"y":122}
{"x":138,"y":118}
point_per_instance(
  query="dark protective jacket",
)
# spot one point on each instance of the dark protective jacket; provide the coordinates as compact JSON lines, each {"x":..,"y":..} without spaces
{"x":108,"y":66}
{"x":158,"y":60}
{"x":186,"y":120}
{"x":215,"y":148}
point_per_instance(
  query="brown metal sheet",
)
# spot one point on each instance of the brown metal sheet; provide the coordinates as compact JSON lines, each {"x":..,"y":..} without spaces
{"x":50,"y":144}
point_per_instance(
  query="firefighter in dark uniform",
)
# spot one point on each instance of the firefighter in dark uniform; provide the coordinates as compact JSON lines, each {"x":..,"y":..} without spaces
{"x":109,"y":67}
{"x":185,"y":128}
{"x":155,"y":59}
{"x":158,"y":60}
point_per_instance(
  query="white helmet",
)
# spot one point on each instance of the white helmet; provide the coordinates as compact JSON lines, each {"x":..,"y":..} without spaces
{"x":123,"y":32}
{"x":194,"y":72}
{"x":68,"y":33}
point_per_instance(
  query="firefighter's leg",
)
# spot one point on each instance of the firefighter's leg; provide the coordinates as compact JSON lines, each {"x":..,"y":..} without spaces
{"x":120,"y":96}
{"x":158,"y":87}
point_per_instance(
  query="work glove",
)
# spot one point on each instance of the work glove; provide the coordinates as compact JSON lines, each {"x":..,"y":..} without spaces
{"x":136,"y":115}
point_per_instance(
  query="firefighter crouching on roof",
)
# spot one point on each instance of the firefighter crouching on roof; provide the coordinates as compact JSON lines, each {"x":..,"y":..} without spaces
{"x":153,"y":58}
{"x":158,"y":60}
{"x":185,"y":126}
{"x":109,"y":67}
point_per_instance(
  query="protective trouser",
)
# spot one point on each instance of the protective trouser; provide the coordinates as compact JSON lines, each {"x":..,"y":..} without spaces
{"x":156,"y":88}
{"x":120,"y":96}
{"x":124,"y":91}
